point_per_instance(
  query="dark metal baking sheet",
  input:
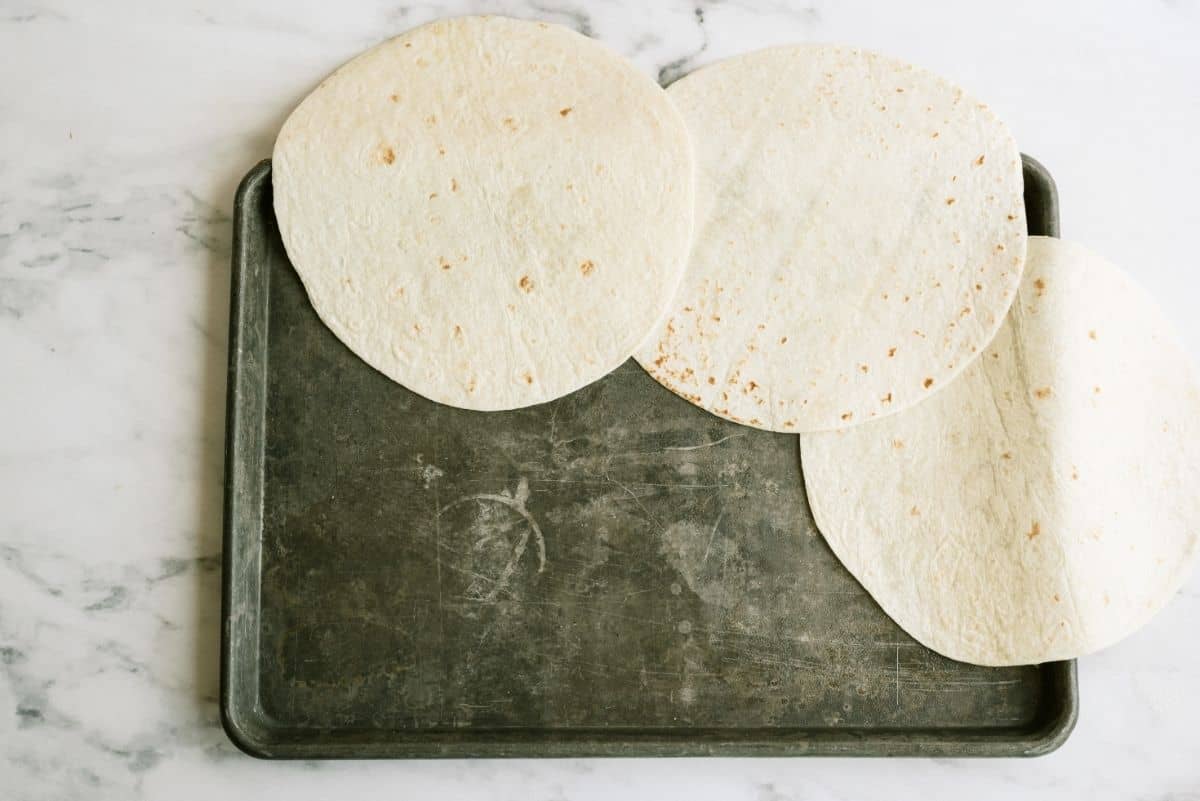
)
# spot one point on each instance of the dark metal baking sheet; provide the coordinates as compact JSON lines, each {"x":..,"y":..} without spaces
{"x":613,"y":573}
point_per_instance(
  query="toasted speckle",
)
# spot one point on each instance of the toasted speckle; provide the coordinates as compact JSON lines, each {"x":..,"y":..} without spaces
{"x":863,"y":368}
{"x":453,"y":185}
{"x":387,"y":155}
{"x":445,"y":265}
{"x":395,"y":98}
{"x":898,"y":444}
{"x":886,"y":398}
{"x":1092,"y":334}
{"x":1040,"y":285}
{"x":1042,"y":393}
{"x":1006,"y":455}
{"x":526,"y":283}
{"x":950,"y":201}
{"x":979,"y":161}
{"x":1095,"y":390}
{"x":562,"y":112}
{"x":587,"y":267}
{"x":783,"y":340}
{"x":528,"y":378}
{"x":847,"y":415}
{"x":712,"y":379}
{"x":891,"y":352}
{"x":1035,"y":531}
{"x":915,"y":512}
{"x":510,"y":123}
{"x":927,"y":383}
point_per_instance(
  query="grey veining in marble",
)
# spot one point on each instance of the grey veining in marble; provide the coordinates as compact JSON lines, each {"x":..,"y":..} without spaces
{"x":124,"y":128}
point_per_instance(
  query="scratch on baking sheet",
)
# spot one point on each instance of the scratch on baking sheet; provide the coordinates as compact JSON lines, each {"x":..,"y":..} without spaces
{"x":703,"y":445}
{"x":553,"y":424}
{"x":437,"y":552}
{"x":896,"y":677}
{"x":711,"y":536}
{"x":515,"y":501}
{"x":636,"y":499}
{"x":595,"y":483}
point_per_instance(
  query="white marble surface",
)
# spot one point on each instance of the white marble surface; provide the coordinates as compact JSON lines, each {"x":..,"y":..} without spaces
{"x":124,"y":128}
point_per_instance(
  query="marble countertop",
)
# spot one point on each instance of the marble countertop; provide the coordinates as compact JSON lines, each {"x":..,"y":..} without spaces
{"x":124,"y":129}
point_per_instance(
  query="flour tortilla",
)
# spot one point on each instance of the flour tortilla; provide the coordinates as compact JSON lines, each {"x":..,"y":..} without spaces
{"x":860,"y":235}
{"x":491,"y":212}
{"x":1044,"y":505}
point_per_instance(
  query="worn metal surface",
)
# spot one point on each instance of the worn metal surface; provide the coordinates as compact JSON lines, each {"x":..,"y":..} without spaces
{"x":616,"y":572}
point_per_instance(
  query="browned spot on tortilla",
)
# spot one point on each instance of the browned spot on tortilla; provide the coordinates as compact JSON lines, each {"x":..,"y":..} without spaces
{"x":1074,"y":473}
{"x":562,"y":112}
{"x":978,"y":287}
{"x":1056,"y":598}
{"x":431,"y":120}
{"x":441,"y":150}
{"x":471,"y":385}
{"x":712,"y":379}
{"x":1040,"y":286}
{"x":754,"y":421}
{"x":445,"y":264}
{"x":416,"y":328}
{"x":453,"y":185}
{"x":387,"y":155}
{"x":950,"y":201}
{"x":395,"y":98}
{"x":432,"y":195}
{"x":915,"y":512}
{"x":526,"y":283}
{"x":863,"y":368}
{"x":783,"y":340}
{"x":918,"y":333}
{"x":716,"y":318}
{"x":1095,"y":390}
{"x":1042,"y":393}
{"x":847,"y":415}
{"x":891,"y":352}
{"x":965,"y":311}
{"x":927,"y":383}
{"x":898,"y":444}
{"x":587,"y":267}
{"x":458,"y":330}
{"x":1006,"y":455}
{"x":789,"y":424}
{"x":528,"y":378}
{"x":408,"y":44}
{"x":752,"y":385}
{"x":979,"y":161}
{"x":660,"y":361}
{"x":886,"y":398}
{"x":906,"y":298}
{"x":999,"y":248}
{"x":510,"y":123}
{"x":1092,"y":334}
{"x":935,"y":135}
{"x":1035,"y":531}
{"x":1012,"y":217}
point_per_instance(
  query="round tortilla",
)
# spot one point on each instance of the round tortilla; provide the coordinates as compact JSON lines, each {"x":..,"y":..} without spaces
{"x":860,"y":235}
{"x":1042,"y":506}
{"x":491,"y":212}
